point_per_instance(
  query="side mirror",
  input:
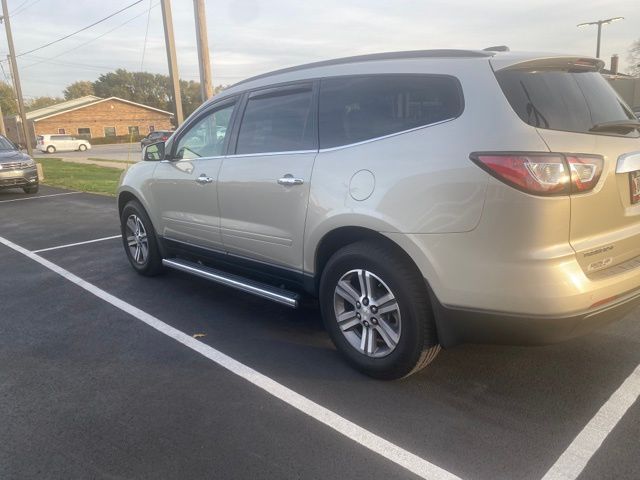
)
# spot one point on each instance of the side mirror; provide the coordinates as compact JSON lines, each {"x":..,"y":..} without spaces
{"x":153,"y":152}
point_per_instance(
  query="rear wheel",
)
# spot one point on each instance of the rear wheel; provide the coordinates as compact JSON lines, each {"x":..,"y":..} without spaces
{"x":51,"y":149}
{"x":139,"y":240}
{"x":376,"y":309}
{"x":31,"y":189}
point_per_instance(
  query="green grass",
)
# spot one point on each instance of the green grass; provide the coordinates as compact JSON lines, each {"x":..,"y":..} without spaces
{"x":77,"y":176}
{"x":111,"y":160}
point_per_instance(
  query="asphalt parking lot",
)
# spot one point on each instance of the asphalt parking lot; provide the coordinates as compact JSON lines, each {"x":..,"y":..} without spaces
{"x":130,"y":152}
{"x":101,"y":377}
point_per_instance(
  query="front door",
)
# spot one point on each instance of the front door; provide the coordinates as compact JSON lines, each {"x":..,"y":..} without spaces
{"x":264,"y":186}
{"x":184,"y":188}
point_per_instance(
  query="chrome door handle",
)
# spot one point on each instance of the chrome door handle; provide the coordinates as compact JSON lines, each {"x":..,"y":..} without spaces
{"x":289,"y":180}
{"x":203,"y":179}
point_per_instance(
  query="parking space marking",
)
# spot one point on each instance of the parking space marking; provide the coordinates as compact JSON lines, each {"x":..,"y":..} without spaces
{"x":358,"y":434}
{"x":39,"y":196}
{"x":575,"y":458}
{"x":76,"y":244}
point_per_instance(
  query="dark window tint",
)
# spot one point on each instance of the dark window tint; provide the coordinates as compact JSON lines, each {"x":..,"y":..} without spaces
{"x":562,"y":100}
{"x":278,"y":122}
{"x":353,"y":109}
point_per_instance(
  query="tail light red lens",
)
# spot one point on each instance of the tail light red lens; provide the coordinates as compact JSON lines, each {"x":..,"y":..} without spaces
{"x":542,"y":173}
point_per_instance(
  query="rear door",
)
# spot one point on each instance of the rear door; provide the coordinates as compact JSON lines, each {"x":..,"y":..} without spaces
{"x":264,"y":186}
{"x":576,"y":111}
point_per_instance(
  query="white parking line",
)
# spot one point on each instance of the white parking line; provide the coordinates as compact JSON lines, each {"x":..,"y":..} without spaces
{"x":572,"y":462}
{"x":76,"y":244}
{"x":373,"y":442}
{"x":39,"y":196}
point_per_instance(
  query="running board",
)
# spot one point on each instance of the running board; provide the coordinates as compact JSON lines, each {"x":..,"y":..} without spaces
{"x":259,"y":289}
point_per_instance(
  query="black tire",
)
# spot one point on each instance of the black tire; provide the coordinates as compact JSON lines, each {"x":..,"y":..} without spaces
{"x":51,"y":149}
{"x":82,"y":147}
{"x":31,"y":189}
{"x":417,"y":345}
{"x":152,"y":263}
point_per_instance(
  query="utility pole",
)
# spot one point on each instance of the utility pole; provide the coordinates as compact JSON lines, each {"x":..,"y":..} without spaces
{"x":599,"y":23}
{"x":206,"y":87}
{"x":2,"y":129}
{"x":170,"y":43}
{"x":16,"y":77}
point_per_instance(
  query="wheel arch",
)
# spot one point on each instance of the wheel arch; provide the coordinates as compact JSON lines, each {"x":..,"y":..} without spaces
{"x":340,"y":237}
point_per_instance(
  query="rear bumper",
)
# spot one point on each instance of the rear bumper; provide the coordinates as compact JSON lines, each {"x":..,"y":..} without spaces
{"x":462,"y":325}
{"x":19,"y":178}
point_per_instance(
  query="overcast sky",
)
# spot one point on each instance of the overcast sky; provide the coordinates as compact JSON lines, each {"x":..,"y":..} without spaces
{"x":247,"y":37}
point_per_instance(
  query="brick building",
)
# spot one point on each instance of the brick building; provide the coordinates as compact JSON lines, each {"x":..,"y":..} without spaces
{"x":91,"y":117}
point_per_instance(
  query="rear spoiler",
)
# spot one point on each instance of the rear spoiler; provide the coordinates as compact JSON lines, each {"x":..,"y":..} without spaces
{"x":547,"y":63}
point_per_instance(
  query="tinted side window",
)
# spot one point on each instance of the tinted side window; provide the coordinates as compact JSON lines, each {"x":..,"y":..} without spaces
{"x":281,"y":121}
{"x":353,"y":109}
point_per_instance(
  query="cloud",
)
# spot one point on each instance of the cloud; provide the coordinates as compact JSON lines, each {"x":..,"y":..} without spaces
{"x":249,"y":37}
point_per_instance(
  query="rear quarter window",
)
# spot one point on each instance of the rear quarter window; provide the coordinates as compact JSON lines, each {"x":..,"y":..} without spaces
{"x":562,"y":100}
{"x":359,"y":108}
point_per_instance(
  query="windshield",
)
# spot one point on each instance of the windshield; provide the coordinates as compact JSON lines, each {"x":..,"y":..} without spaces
{"x":563,"y":100}
{"x":6,"y":144}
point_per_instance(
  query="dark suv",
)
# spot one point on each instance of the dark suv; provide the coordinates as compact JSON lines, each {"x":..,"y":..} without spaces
{"x":154,"y":137}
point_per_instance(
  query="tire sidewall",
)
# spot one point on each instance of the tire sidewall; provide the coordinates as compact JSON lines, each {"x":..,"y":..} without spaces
{"x":399,"y":362}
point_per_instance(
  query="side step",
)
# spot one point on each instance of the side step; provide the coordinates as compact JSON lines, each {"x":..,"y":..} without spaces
{"x":259,"y":289}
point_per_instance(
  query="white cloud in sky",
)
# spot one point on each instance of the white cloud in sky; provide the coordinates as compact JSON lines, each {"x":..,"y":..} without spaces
{"x":249,"y":37}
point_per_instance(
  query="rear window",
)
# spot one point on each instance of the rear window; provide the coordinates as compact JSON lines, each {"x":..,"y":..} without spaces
{"x":563,"y":100}
{"x":354,"y":109}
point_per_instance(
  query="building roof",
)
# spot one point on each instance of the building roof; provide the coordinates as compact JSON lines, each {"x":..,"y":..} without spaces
{"x":77,"y":103}
{"x":62,"y":106}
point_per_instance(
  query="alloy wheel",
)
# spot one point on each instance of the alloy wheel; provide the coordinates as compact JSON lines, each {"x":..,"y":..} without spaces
{"x":137,"y":239}
{"x":367,"y":313}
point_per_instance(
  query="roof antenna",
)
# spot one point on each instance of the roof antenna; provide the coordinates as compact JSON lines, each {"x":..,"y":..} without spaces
{"x":497,"y":48}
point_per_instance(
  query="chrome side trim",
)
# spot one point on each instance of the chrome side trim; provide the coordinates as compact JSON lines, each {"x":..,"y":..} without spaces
{"x":629,"y":162}
{"x":274,"y":294}
{"x":395,"y":134}
{"x":265,"y":154}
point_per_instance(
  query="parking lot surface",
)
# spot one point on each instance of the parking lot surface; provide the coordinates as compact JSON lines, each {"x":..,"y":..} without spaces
{"x":120,"y":151}
{"x":88,"y":390}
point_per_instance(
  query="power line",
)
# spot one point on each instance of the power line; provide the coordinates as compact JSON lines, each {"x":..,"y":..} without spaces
{"x":88,"y":41}
{"x":146,"y":35}
{"x":19,"y":10}
{"x":81,"y":30}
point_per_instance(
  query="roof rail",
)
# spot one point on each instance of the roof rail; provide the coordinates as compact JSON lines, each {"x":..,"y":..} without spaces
{"x":442,"y":53}
{"x":497,"y":48}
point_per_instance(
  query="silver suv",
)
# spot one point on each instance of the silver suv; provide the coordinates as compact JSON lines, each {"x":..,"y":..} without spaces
{"x":426,"y":198}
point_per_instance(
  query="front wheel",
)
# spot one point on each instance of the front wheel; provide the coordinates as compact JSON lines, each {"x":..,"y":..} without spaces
{"x":376,"y":309}
{"x":31,"y":189}
{"x":82,"y":148}
{"x":139,"y":240}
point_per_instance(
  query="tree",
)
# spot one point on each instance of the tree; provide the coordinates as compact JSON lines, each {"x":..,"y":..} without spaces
{"x":78,"y":89}
{"x":634,"y":59}
{"x":7,"y":99}
{"x":41,"y":102}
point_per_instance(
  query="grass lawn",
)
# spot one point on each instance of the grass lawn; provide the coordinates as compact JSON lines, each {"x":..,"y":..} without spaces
{"x":77,"y":176}
{"x":130,"y":162}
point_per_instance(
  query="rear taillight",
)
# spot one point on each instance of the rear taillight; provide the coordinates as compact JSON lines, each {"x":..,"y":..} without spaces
{"x":585,"y":171}
{"x":542,"y":173}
